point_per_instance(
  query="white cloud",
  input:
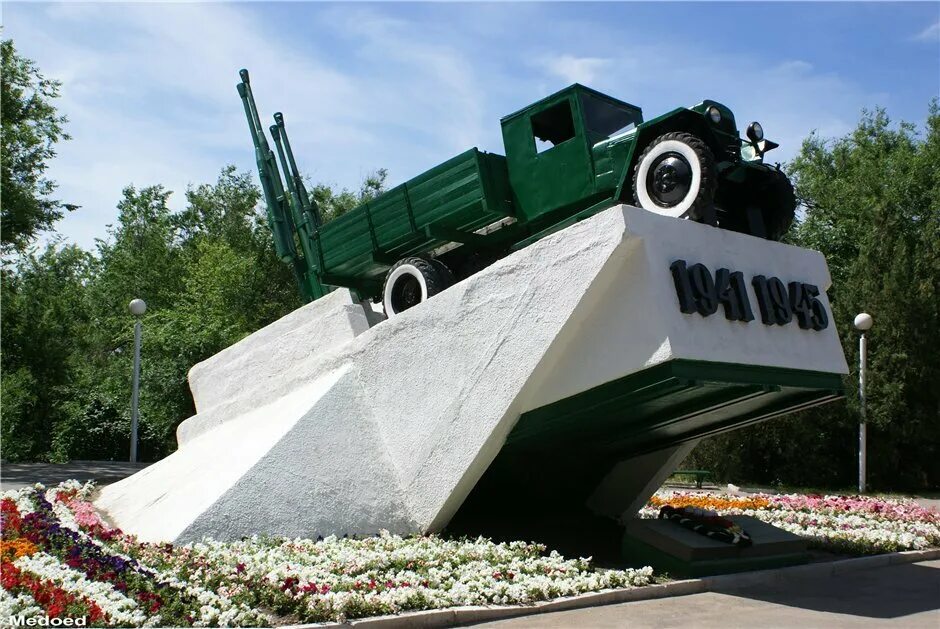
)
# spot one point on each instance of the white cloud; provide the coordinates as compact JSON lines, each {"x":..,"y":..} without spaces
{"x":150,"y":95}
{"x":574,"y":69}
{"x":931,"y":33}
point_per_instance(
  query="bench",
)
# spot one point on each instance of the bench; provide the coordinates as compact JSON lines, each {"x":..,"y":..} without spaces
{"x":700,"y":475}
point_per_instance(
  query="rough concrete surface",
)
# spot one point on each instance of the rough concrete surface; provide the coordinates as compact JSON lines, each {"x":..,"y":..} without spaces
{"x":392,"y":426}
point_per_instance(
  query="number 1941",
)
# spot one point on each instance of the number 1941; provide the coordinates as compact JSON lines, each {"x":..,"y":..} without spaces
{"x":778,"y":303}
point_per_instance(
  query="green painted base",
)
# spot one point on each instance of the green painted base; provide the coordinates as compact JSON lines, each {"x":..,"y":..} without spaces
{"x":539,"y":484}
{"x":670,"y":403}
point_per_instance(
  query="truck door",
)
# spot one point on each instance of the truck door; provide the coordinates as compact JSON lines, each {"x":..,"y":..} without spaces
{"x":548,"y":157}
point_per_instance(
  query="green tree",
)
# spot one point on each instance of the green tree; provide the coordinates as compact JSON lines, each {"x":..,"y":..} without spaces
{"x":45,"y":319}
{"x":31,"y":127}
{"x":210,"y":276}
{"x":872,"y":206}
{"x":334,"y":203}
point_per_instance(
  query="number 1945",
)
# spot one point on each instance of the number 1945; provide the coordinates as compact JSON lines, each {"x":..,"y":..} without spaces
{"x":778,"y":303}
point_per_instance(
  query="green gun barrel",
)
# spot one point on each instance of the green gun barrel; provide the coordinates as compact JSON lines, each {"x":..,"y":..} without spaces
{"x":309,"y":204}
{"x":306,"y":225}
{"x":276,"y":202}
{"x":279,"y":221}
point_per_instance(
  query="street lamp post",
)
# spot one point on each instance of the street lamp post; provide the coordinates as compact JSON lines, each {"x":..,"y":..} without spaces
{"x":863,"y":322}
{"x":137,"y":307}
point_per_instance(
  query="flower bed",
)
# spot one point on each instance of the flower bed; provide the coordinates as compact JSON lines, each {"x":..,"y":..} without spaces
{"x":60,"y":559}
{"x":858,"y":525}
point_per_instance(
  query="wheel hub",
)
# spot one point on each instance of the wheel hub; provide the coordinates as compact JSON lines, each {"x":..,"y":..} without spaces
{"x":406,"y":293}
{"x":669,"y":179}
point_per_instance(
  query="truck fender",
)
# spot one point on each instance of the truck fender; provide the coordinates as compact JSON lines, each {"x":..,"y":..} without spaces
{"x":676,"y":120}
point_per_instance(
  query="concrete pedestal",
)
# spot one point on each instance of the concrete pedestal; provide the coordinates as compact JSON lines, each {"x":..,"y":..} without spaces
{"x":571,"y":354}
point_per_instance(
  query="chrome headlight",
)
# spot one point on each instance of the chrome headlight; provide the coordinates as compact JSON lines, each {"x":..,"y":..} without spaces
{"x":755,"y":132}
{"x":714,"y":114}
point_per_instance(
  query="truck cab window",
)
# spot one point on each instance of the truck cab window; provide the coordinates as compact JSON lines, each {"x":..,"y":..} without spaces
{"x":605,"y":119}
{"x":552,"y":126}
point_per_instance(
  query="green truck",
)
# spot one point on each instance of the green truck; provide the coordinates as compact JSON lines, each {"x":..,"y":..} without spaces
{"x":568,"y":156}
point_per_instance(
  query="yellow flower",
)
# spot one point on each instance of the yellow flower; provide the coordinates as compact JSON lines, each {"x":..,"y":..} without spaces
{"x":11,"y":550}
{"x":706,"y":501}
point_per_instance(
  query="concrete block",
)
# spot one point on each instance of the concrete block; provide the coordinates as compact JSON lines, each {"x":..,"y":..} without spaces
{"x":362,"y":425}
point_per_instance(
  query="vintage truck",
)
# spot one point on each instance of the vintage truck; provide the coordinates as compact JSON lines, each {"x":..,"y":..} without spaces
{"x":568,"y":156}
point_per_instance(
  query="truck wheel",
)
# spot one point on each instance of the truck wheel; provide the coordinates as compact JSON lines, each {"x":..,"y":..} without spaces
{"x":777,"y":203}
{"x":411,"y":281}
{"x":675,"y":176}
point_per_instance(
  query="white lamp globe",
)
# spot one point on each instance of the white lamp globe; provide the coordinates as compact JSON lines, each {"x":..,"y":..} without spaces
{"x":863,"y":321}
{"x":137,"y":307}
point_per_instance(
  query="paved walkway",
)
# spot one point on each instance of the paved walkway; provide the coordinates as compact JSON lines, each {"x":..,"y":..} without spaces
{"x":18,"y":475}
{"x":906,"y":595}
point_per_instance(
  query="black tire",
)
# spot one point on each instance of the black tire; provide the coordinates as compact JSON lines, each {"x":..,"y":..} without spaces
{"x":411,"y":281}
{"x":777,"y":203}
{"x":444,"y":270}
{"x":772,"y":195}
{"x":676,"y":176}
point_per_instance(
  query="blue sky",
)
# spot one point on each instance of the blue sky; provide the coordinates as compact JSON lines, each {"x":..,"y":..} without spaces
{"x":150,"y":88}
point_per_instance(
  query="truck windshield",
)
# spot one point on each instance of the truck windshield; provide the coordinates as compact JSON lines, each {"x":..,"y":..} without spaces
{"x":607,"y":119}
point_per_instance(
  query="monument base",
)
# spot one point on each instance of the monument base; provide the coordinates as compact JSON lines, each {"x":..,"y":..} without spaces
{"x":681,"y":552}
{"x":559,"y":386}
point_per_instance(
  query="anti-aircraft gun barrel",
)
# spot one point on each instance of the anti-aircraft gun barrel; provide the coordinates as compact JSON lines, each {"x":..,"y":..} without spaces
{"x":279,"y":219}
{"x":304,"y":219}
{"x":309,"y":204}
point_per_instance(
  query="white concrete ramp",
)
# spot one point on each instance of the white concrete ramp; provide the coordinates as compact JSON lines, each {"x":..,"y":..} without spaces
{"x":320,"y":424}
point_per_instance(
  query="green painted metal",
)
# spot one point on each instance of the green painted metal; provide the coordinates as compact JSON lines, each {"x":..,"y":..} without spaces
{"x":592,"y":142}
{"x":305,"y":221}
{"x":456,"y":197}
{"x":538,"y":485}
{"x":669,"y":403}
{"x":278,"y":218}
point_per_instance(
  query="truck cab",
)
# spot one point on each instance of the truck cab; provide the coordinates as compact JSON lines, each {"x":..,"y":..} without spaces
{"x":550,"y":151}
{"x":568,"y":156}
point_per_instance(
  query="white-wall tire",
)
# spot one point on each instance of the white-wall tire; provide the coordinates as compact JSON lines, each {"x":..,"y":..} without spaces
{"x":685,"y":149}
{"x":412,"y":281}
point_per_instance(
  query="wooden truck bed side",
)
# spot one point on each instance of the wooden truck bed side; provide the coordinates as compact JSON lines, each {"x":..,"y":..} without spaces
{"x":463,"y":194}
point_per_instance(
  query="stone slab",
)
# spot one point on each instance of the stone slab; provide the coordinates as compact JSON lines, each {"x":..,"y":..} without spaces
{"x":688,"y":545}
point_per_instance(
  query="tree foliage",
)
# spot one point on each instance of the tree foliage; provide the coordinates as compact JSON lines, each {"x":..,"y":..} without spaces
{"x":31,"y":126}
{"x":209,"y":275}
{"x":872,"y":206}
{"x":333,"y":203}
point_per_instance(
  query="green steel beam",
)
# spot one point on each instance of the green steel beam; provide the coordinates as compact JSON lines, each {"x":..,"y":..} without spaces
{"x":670,"y":403}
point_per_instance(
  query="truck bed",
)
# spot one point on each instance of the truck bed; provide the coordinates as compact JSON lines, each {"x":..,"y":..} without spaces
{"x":463,"y":194}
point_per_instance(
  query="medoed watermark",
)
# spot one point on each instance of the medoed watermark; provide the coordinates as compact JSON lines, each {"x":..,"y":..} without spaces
{"x":46,"y":621}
